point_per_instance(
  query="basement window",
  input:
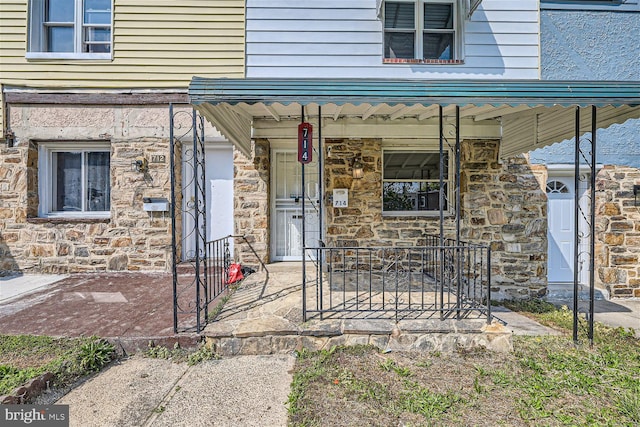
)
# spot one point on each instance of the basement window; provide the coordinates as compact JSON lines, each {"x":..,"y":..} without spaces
{"x":70,"y":29}
{"x":74,"y":180}
{"x":411,"y":182}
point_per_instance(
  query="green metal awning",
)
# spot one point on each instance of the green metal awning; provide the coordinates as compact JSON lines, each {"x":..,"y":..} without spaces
{"x":531,"y":112}
{"x":393,"y":92}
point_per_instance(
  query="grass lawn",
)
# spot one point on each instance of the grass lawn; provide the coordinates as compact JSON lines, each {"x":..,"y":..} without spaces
{"x":546,"y":381}
{"x":23,"y":357}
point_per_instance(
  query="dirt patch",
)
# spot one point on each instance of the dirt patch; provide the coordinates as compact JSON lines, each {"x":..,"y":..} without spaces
{"x":545,"y":381}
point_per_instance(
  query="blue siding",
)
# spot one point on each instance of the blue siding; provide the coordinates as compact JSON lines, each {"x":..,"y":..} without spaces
{"x":583,"y":45}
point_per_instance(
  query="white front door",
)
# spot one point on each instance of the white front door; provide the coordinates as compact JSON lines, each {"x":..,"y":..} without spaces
{"x":286,"y":229}
{"x":219,"y":166}
{"x":219,"y":196}
{"x":561,"y":229}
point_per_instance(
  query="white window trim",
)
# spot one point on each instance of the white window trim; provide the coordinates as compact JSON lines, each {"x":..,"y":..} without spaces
{"x":36,"y":35}
{"x":448,"y":180}
{"x":45,"y":172}
{"x":418,"y":48}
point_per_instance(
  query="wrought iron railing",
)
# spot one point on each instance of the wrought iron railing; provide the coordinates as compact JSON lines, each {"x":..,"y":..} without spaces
{"x":203,"y":282}
{"x":219,"y":260}
{"x":448,"y":280}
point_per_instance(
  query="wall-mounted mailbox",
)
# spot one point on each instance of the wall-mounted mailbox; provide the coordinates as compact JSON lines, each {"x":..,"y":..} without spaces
{"x":155,"y":204}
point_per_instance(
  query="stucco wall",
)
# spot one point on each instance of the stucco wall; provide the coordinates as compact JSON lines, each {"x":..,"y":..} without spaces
{"x":581,"y":45}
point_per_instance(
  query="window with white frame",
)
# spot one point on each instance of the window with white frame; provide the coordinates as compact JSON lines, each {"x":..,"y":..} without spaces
{"x":70,"y":29}
{"x":411,"y":181}
{"x":422,"y":29}
{"x":74,"y":180}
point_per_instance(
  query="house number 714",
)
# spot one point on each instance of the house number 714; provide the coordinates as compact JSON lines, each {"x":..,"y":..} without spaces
{"x":305,"y":148}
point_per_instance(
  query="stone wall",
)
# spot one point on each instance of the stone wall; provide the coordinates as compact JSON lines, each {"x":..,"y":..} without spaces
{"x":502,"y":205}
{"x":362,"y":223}
{"x":618,"y":231}
{"x":251,"y":199}
{"x":131,"y":239}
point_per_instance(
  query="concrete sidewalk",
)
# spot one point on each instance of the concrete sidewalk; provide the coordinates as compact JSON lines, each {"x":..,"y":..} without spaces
{"x":17,"y":286}
{"x":238,"y":391}
{"x":619,"y":313}
{"x":241,"y":390}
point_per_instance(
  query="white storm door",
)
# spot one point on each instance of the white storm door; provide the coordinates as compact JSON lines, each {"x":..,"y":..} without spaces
{"x":287,"y":206}
{"x":561,"y":230}
{"x":219,"y":196}
{"x":219,"y":166}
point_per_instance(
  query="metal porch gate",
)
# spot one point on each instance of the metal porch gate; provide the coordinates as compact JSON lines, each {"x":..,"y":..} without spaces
{"x":188,"y":221}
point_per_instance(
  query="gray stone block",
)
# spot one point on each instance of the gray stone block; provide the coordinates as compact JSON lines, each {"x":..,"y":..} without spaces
{"x":322,"y":328}
{"x":368,"y":326}
{"x":229,"y":346}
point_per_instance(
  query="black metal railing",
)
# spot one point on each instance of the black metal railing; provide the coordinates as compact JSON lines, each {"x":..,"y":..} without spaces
{"x":218,"y":270}
{"x":449,"y":280}
{"x":218,"y":262}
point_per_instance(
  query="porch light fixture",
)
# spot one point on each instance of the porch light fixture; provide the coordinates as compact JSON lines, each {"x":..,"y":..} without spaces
{"x":357,"y":169}
{"x":636,"y":192}
{"x":140,"y":164}
{"x":10,"y":138}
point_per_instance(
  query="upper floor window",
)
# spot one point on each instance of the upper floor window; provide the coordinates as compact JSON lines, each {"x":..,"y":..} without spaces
{"x":426,"y":30}
{"x":70,"y":29}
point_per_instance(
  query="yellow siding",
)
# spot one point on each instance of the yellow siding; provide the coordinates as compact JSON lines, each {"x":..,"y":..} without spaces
{"x":156,"y":44}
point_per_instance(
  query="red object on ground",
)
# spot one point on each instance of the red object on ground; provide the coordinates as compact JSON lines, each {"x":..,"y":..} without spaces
{"x":235,"y":273}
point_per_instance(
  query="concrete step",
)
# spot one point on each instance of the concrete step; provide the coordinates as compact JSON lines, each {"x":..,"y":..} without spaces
{"x":564,"y":292}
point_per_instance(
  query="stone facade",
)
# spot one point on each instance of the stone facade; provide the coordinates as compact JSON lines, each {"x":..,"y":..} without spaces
{"x":502,"y":205}
{"x":618,"y":231}
{"x":617,"y":245}
{"x":251,"y":203}
{"x":131,"y":239}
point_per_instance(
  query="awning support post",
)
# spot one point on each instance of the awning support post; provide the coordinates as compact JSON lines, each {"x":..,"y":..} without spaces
{"x":576,"y":240}
{"x":458,"y":201}
{"x":585,"y":152}
{"x":174,"y":240}
{"x":304,"y":243}
{"x":592,"y":228}
{"x":441,"y":202}
{"x":320,"y":254}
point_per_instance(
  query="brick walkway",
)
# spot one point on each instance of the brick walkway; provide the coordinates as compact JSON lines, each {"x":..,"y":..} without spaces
{"x":130,"y":308}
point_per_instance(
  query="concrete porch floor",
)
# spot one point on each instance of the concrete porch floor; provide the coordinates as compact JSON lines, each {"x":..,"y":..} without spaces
{"x":264,"y":316}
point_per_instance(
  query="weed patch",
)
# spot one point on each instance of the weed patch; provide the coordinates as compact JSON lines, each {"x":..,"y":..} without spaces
{"x":547,"y":380}
{"x":23,"y":357}
{"x":179,"y":355}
